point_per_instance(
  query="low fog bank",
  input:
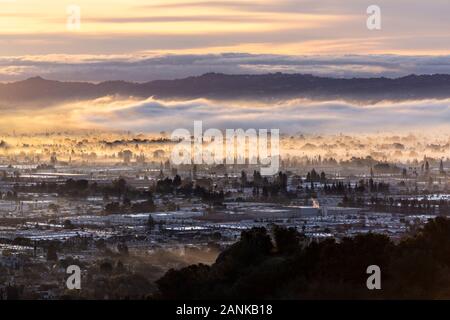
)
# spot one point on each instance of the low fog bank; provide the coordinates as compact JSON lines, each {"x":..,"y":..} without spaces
{"x":290,"y":116}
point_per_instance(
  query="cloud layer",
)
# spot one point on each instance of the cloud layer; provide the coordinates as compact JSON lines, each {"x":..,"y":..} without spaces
{"x":143,"y":68}
{"x":255,"y":26}
{"x":150,"y":116}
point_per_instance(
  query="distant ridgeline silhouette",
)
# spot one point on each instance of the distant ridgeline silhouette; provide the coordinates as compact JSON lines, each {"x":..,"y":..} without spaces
{"x":272,"y":86}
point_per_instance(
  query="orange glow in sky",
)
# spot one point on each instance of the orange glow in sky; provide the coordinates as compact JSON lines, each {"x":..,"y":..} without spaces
{"x":29,"y":27}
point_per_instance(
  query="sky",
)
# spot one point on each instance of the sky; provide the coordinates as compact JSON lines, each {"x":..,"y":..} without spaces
{"x":144,"y":40}
{"x":138,"y":40}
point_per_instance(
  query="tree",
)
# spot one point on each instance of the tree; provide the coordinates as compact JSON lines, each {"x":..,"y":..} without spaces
{"x":150,"y":222}
{"x":68,"y":224}
{"x":106,"y":267}
{"x":126,"y":155}
{"x":52,"y":253}
{"x":120,"y":186}
{"x":176,"y":181}
{"x":243,"y":178}
{"x":122,"y":248}
{"x":287,"y":240}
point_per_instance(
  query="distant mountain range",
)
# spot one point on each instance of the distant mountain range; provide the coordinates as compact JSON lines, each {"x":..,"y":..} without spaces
{"x":39,"y":91}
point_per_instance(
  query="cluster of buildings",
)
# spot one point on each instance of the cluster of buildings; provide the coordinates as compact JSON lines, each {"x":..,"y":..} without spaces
{"x":36,"y":220}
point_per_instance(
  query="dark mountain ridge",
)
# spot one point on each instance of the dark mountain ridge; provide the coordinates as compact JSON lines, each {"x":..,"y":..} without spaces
{"x":232,"y":87}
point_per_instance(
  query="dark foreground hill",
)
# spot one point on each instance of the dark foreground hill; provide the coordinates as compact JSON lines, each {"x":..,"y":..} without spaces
{"x":281,"y":265}
{"x":220,"y":86}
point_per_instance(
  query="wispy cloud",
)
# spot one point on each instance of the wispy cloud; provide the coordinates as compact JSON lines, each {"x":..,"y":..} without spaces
{"x":256,"y":26}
